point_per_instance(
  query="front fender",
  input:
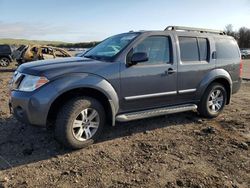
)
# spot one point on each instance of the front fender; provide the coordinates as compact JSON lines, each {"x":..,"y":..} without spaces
{"x":212,"y":76}
{"x":84,"y":80}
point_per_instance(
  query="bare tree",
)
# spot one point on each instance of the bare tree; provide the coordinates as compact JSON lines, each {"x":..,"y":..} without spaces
{"x":229,"y":31}
{"x":242,"y":35}
{"x":229,"y":28}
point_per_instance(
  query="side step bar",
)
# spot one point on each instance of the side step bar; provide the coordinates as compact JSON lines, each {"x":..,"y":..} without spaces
{"x":155,"y":112}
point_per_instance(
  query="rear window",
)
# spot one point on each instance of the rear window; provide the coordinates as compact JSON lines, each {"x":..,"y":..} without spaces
{"x":226,"y":49}
{"x":194,"y":49}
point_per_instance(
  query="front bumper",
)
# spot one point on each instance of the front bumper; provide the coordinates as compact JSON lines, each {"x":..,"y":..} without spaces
{"x":27,"y":109}
{"x":32,"y":107}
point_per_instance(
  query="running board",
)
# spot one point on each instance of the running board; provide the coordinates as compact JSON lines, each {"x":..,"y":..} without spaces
{"x":155,"y":112}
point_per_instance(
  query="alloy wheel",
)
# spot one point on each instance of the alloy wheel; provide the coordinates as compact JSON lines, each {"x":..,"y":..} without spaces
{"x":4,"y":62}
{"x":215,"y":100}
{"x":86,"y":124}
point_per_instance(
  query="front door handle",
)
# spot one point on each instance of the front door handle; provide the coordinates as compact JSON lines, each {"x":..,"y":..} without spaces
{"x":170,"y":71}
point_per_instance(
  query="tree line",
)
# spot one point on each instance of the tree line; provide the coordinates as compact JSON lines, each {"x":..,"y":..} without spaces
{"x":242,"y":35}
{"x":76,"y":45}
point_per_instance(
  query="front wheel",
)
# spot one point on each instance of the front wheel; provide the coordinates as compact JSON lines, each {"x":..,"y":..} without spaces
{"x":4,"y":62}
{"x":213,"y":101}
{"x":80,"y":122}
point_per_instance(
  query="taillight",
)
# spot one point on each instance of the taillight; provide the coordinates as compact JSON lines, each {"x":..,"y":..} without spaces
{"x":241,"y":68}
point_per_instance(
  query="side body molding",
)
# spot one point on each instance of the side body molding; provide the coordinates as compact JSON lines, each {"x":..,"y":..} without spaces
{"x":69,"y":82}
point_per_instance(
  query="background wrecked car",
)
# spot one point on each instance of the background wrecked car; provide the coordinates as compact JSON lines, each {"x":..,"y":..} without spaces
{"x":27,"y":53}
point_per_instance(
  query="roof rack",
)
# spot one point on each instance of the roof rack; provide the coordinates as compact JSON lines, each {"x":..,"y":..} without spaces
{"x":200,"y":30}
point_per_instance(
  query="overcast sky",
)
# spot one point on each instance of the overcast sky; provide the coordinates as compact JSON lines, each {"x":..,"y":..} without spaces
{"x":88,"y":20}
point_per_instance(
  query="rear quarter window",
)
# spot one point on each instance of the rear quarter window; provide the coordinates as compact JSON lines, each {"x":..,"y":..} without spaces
{"x":226,"y":49}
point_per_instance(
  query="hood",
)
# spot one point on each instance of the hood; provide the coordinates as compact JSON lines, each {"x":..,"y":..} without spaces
{"x":56,"y":67}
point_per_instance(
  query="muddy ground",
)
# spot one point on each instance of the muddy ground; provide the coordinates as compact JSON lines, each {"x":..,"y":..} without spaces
{"x":180,"y":150}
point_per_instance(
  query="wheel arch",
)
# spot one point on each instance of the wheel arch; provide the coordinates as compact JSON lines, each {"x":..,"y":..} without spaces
{"x":227,"y":86}
{"x":5,"y":56}
{"x":220,"y":76}
{"x":79,"y":84}
{"x":95,"y":93}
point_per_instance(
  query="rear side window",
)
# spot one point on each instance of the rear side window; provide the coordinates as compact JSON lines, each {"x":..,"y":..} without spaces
{"x":194,"y":49}
{"x":189,"y":49}
{"x":226,"y":49}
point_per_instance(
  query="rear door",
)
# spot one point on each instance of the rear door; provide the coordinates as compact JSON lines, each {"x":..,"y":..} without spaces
{"x":195,"y":61}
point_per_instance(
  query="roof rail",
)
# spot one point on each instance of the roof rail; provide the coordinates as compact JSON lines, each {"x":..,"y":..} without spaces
{"x":200,"y":30}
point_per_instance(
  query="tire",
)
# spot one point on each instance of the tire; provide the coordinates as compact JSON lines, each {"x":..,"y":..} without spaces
{"x":73,"y":129}
{"x":4,"y":61}
{"x":210,"y":107}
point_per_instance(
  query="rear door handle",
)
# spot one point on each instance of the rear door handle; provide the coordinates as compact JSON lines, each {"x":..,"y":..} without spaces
{"x":170,"y":71}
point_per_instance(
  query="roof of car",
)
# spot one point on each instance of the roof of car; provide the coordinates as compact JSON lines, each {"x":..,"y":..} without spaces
{"x":190,"y":34}
{"x":190,"y":30}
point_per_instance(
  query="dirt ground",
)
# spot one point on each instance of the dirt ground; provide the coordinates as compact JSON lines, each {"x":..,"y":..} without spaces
{"x":246,"y":69}
{"x":180,"y":150}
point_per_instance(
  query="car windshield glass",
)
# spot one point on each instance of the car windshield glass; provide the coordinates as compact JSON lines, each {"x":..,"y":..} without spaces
{"x":110,"y":47}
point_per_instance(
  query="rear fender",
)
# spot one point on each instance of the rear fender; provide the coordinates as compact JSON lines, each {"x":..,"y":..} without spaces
{"x":211,"y":77}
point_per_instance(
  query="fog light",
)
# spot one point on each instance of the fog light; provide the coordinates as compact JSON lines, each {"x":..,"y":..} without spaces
{"x":19,"y":111}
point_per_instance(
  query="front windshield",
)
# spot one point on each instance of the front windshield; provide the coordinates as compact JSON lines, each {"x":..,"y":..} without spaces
{"x":110,"y":47}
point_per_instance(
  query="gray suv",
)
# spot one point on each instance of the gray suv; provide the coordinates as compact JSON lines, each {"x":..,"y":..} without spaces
{"x":129,"y":76}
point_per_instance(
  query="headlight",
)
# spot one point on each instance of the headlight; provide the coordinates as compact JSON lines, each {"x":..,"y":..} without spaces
{"x":31,"y":83}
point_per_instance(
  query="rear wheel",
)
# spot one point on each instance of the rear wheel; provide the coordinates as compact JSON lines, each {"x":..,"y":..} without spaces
{"x":213,"y":101}
{"x":4,"y":61}
{"x":80,"y":122}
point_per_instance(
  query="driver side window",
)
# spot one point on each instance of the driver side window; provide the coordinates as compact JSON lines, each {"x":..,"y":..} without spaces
{"x":157,"y":49}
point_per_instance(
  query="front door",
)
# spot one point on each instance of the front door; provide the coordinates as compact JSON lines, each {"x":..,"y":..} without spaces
{"x":152,"y":83}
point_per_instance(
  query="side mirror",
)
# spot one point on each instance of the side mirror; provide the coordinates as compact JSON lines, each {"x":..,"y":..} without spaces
{"x":138,"y":57}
